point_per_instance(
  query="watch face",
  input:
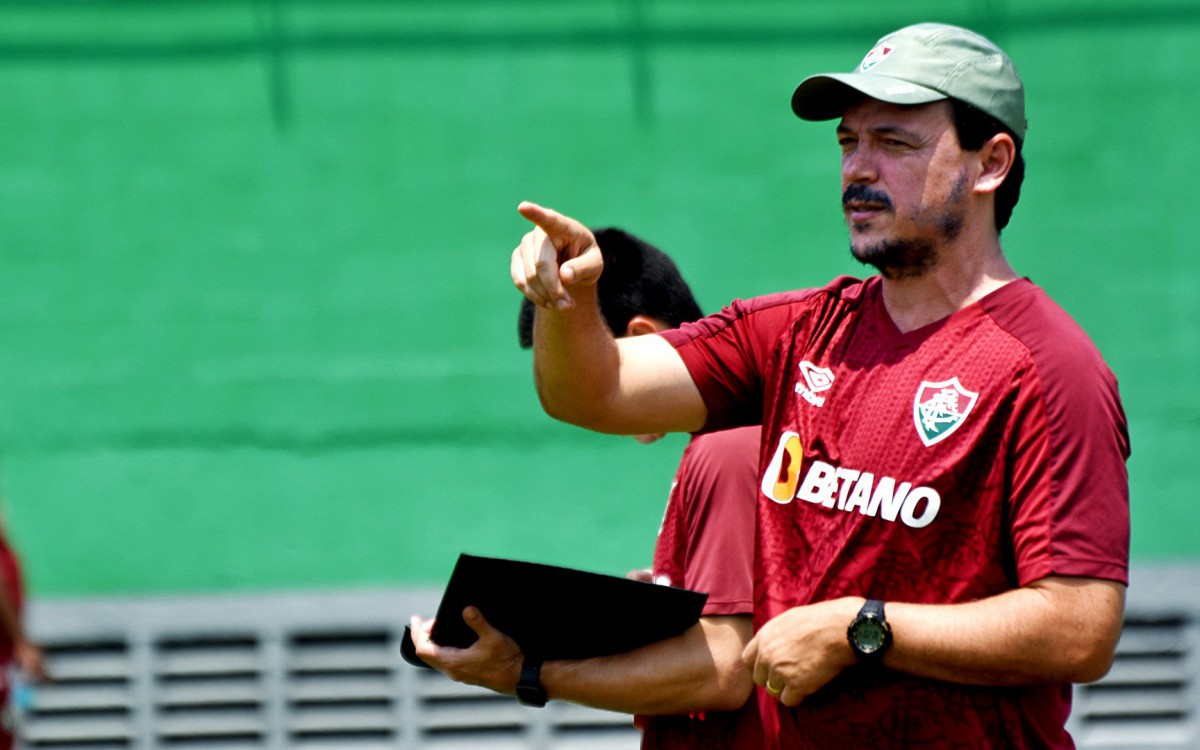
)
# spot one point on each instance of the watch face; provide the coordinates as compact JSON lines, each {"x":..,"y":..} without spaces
{"x":869,"y":635}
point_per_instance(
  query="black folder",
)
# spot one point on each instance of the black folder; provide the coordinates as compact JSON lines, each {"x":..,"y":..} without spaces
{"x":558,"y":613}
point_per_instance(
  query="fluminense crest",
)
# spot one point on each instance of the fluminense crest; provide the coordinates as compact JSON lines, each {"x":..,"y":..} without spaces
{"x":939,"y":408}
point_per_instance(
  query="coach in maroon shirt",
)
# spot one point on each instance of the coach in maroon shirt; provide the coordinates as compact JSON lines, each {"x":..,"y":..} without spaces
{"x":942,"y":520}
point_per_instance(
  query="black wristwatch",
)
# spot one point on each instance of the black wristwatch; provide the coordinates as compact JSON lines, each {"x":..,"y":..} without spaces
{"x":870,"y":635}
{"x":529,"y":688}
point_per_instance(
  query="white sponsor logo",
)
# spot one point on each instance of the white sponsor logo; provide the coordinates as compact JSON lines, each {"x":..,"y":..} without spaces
{"x":846,"y":489}
{"x":816,"y":380}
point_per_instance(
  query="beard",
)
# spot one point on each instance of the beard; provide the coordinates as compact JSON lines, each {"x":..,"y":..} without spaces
{"x":899,"y":258}
{"x":909,"y":257}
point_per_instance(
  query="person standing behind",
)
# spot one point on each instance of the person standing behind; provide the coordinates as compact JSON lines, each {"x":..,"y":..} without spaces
{"x":689,"y":692}
{"x":943,"y":512}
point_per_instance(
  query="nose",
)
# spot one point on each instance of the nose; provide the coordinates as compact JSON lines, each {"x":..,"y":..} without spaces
{"x":858,"y":166}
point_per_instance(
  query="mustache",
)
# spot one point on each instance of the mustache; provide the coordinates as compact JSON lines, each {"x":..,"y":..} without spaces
{"x":864,"y":194}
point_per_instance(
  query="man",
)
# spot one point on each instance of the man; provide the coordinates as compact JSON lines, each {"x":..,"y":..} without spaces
{"x":943,"y":520}
{"x":690,"y":691}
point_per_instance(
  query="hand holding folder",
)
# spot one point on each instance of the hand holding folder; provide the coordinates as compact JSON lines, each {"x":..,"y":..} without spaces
{"x":558,"y":613}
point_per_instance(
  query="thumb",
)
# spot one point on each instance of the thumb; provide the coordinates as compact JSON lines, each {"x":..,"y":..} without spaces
{"x":476,"y":621}
{"x":583,"y":269}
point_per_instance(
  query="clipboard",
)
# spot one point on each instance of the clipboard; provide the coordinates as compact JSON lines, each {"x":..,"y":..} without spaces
{"x":558,"y":613}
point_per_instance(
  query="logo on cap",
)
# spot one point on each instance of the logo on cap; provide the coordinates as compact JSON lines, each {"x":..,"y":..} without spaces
{"x":874,"y":57}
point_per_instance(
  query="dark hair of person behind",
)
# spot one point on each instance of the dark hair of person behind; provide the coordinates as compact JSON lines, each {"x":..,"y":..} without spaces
{"x":974,"y":128}
{"x":638,"y":279}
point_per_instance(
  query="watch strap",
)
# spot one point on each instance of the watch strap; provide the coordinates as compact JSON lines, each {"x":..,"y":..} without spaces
{"x":530,"y":691}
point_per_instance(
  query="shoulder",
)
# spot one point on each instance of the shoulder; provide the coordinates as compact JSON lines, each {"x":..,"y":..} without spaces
{"x":722,"y":457}
{"x":1054,"y":341}
{"x":774,"y":310}
{"x":1078,"y":391}
{"x":726,"y":445}
{"x":843,"y":289}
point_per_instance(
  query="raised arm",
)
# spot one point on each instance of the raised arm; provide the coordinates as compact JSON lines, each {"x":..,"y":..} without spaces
{"x":699,"y":670}
{"x":584,"y":375}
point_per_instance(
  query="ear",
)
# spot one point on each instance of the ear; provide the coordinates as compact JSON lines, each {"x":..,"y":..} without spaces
{"x":643,"y":324}
{"x":996,"y":158}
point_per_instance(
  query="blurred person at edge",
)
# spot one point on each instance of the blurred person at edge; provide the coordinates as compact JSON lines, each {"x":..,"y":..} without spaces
{"x":17,"y":651}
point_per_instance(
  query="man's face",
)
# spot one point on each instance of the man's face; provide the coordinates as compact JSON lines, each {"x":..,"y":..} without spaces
{"x":905,"y":184}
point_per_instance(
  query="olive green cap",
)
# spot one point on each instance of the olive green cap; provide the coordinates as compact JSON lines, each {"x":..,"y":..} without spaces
{"x":918,"y":64}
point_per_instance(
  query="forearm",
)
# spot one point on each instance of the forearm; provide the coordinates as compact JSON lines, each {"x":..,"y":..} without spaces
{"x":585,"y":376}
{"x":1054,"y":630}
{"x":697,"y":671}
{"x":1051,"y":631}
{"x":575,"y":360}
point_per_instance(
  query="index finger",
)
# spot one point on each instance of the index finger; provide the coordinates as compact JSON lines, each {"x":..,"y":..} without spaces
{"x":550,"y":221}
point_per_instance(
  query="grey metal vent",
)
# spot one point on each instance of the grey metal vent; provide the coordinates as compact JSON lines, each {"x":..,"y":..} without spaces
{"x":340,"y":688}
{"x":303,"y":671}
{"x":208,"y":690}
{"x":319,"y":671}
{"x":1148,"y":698}
{"x":91,"y":703}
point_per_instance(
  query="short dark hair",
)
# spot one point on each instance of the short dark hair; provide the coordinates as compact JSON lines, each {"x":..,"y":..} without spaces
{"x":638,"y":279}
{"x":974,"y":127}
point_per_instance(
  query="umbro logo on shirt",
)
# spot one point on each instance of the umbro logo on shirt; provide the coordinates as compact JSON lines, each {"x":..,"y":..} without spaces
{"x":816,"y":380}
{"x":939,"y":408}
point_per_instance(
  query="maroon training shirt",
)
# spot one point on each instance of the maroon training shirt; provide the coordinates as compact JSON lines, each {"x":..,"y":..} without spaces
{"x":946,"y":464}
{"x":706,"y":543}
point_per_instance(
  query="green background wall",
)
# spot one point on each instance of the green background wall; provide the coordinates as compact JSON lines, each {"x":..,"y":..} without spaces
{"x":256,"y":328}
